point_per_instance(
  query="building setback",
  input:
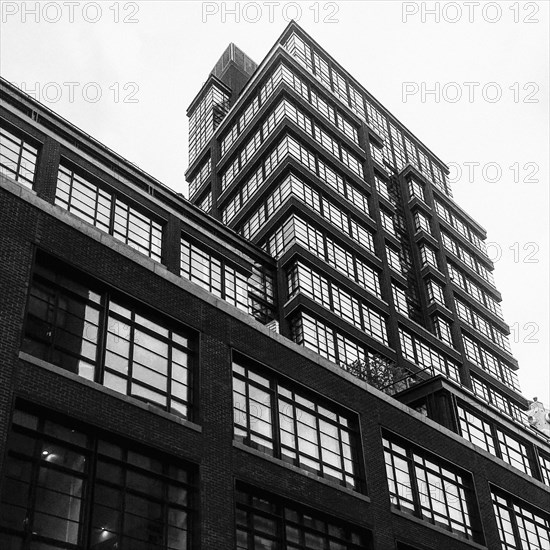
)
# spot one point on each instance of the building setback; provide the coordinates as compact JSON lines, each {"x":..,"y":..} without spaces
{"x":308,"y":354}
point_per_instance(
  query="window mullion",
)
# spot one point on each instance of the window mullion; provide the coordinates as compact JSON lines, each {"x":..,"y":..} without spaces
{"x":131,"y":353}
{"x":275,"y":424}
{"x":414,"y":483}
{"x":103,"y":329}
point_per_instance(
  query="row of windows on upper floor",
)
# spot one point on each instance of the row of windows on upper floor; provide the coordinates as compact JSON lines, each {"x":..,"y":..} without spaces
{"x":465,"y":312}
{"x":482,"y":297}
{"x":463,"y":228}
{"x":398,"y":149}
{"x":17,"y":158}
{"x":308,"y":281}
{"x":297,"y":231}
{"x":428,"y":256}
{"x":286,"y":109}
{"x":282,"y":73}
{"x":292,"y":186}
{"x":86,"y":328}
{"x":66,"y":484}
{"x":200,"y":177}
{"x":308,"y":195}
{"x":289,"y":147}
{"x":479,"y":355}
{"x":205,"y":118}
{"x":113,"y":215}
{"x":487,"y":328}
{"x":468,"y":259}
{"x":416,"y":189}
{"x":339,"y":348}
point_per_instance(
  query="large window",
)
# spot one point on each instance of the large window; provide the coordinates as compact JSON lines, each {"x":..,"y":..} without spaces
{"x":430,"y":488}
{"x":520,"y":526}
{"x":66,"y":488}
{"x":287,"y":109}
{"x":108,"y":213}
{"x":494,"y":397}
{"x":292,"y":186}
{"x":96,"y":334}
{"x":17,"y":158}
{"x":272,"y":416}
{"x":426,"y":356}
{"x":488,"y":361}
{"x":265,"y":522}
{"x":205,"y":118}
{"x":252,"y":294}
{"x":298,"y":231}
{"x":302,"y":278}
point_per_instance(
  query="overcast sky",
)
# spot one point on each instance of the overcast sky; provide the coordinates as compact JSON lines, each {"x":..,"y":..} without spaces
{"x":125,"y":73}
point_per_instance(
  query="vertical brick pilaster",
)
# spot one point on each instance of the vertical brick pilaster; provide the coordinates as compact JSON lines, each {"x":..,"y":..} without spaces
{"x":171,"y":243}
{"x":46,"y":170}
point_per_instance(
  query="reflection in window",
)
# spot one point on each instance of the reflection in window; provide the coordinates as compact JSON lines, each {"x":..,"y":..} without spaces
{"x":430,"y":489}
{"x":140,"y":355}
{"x":108,"y":213}
{"x":289,"y":425}
{"x":304,"y":279}
{"x":265,"y":522}
{"x":63,"y":485}
{"x":520,"y":526}
{"x":17,"y":158}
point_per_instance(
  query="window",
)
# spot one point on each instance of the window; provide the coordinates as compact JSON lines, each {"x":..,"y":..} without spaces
{"x":426,"y":356}
{"x":427,"y":255}
{"x":476,"y":430}
{"x":520,"y":526}
{"x":205,"y":118}
{"x":400,"y":299}
{"x":330,"y":295}
{"x":393,"y":259}
{"x":383,"y":188}
{"x":105,"y":338}
{"x":514,"y":452}
{"x":435,"y":292}
{"x":416,"y":190}
{"x":387,"y":222}
{"x":108,"y":213}
{"x":270,"y":415}
{"x":496,"y":399}
{"x":205,"y":204}
{"x":214,"y":275}
{"x":265,"y":522}
{"x":544,"y":462}
{"x":421,"y":222}
{"x":200,"y":176}
{"x":17,"y":158}
{"x":297,"y":231}
{"x":442,"y":330}
{"x":431,"y":489}
{"x":63,"y":485}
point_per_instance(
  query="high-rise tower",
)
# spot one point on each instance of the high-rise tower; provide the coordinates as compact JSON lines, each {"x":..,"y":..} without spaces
{"x":379,"y":269}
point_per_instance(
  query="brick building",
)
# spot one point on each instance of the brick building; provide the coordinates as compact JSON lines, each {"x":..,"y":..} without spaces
{"x":310,"y":356}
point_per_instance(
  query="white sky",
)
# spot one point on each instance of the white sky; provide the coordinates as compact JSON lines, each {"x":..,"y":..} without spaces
{"x":161,"y":59}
